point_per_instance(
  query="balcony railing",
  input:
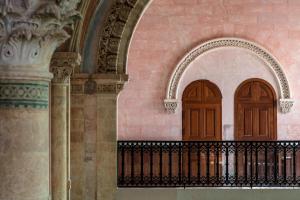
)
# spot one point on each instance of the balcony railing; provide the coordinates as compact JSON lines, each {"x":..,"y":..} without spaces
{"x":209,"y":164}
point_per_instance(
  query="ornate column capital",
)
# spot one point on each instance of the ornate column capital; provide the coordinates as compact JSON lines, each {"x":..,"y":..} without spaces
{"x":62,"y":66}
{"x":30,"y":31}
{"x":98,"y":84}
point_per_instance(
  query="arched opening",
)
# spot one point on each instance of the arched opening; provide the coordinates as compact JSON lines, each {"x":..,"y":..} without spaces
{"x":255,"y":111}
{"x":201,"y":121}
{"x":202,"y":112}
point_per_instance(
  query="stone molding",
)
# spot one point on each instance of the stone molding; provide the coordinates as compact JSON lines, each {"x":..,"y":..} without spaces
{"x":115,"y":36}
{"x":24,"y":94}
{"x":172,"y":100}
{"x":86,"y":84}
{"x":31,"y":30}
{"x":111,"y":34}
{"x":62,"y":66}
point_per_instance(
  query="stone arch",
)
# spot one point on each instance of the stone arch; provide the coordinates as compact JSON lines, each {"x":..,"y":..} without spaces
{"x":285,"y":100}
{"x":115,"y":37}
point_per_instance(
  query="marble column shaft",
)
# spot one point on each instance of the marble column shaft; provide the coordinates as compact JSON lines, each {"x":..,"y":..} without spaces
{"x":62,"y":65}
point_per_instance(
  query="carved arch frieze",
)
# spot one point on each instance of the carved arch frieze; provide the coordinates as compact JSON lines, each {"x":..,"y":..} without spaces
{"x":285,"y":102}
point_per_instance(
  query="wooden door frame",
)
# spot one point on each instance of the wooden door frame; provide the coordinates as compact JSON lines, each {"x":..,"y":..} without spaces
{"x":274,"y":137}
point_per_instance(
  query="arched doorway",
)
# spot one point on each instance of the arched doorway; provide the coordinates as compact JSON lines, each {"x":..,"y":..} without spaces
{"x":255,"y":111}
{"x":202,"y":112}
{"x":255,"y":120}
{"x":201,"y":121}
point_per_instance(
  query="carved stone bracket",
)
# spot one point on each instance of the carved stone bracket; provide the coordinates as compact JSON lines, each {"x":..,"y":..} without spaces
{"x":172,"y":90}
{"x":170,"y":105}
{"x":286,"y":105}
{"x":62,"y":66}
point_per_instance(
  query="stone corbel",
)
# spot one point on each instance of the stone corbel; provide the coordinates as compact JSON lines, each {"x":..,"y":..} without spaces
{"x":63,"y":65}
{"x":171,"y":105}
{"x":286,"y":105}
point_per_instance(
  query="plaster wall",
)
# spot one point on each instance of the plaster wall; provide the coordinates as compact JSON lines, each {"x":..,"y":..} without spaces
{"x":170,"y":28}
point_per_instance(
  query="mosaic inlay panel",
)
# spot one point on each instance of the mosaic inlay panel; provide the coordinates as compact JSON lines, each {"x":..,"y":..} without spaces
{"x":26,"y":95}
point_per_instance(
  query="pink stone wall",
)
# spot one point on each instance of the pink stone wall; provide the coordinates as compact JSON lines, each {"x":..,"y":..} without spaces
{"x":171,"y":28}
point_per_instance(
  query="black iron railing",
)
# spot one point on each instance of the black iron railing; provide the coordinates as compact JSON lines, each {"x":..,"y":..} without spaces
{"x":209,"y":164}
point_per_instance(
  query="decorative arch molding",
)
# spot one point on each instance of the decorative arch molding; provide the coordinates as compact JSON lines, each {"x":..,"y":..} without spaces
{"x":115,"y":37}
{"x":285,"y":100}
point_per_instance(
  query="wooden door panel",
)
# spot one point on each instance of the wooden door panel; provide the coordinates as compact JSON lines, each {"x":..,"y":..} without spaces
{"x":264,"y":124}
{"x":255,"y":111}
{"x":210,"y":123}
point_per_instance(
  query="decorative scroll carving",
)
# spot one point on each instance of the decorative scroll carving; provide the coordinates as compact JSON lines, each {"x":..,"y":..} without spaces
{"x":285,"y":94}
{"x":30,"y":30}
{"x":112,"y":34}
{"x":62,"y":66}
{"x":286,"y":105}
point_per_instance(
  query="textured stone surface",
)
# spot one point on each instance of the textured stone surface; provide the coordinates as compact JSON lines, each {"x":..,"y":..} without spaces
{"x":24,"y":154}
{"x":169,"y":29}
{"x":83,"y":146}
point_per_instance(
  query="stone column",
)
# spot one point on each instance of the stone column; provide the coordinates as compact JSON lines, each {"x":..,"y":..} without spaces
{"x":105,"y":88}
{"x":30,"y":32}
{"x":62,"y":66}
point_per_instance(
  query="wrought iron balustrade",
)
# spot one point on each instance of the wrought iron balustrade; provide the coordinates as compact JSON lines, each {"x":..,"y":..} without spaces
{"x":209,"y":164}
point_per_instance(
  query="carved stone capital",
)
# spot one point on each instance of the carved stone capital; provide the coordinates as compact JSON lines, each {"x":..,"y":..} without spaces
{"x":31,"y":30}
{"x":62,"y":66}
{"x":286,"y":105}
{"x":170,"y":105}
{"x":97,"y":84}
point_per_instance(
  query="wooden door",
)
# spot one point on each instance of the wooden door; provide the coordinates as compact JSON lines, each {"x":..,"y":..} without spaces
{"x":255,"y":111}
{"x":202,"y":121}
{"x":202,"y":117}
{"x":255,"y":120}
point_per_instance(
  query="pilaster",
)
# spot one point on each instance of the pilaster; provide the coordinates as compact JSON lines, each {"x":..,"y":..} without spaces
{"x":62,"y":66}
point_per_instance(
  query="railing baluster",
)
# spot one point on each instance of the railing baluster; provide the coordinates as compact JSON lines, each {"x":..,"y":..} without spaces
{"x":256,"y":163}
{"x":151,"y":163}
{"x":179,"y":163}
{"x":294,"y":164}
{"x":227,"y":164}
{"x":246,"y":164}
{"x":160,"y":165}
{"x":198,"y":163}
{"x":266,"y":163}
{"x":170,"y":163}
{"x":275,"y":164}
{"x":236,"y":164}
{"x":123,"y":164}
{"x":207,"y":163}
{"x":251,"y":164}
{"x":132,"y":164}
{"x":217,"y":167}
{"x":189,"y":163}
{"x":142,"y":163}
{"x":284,"y":163}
